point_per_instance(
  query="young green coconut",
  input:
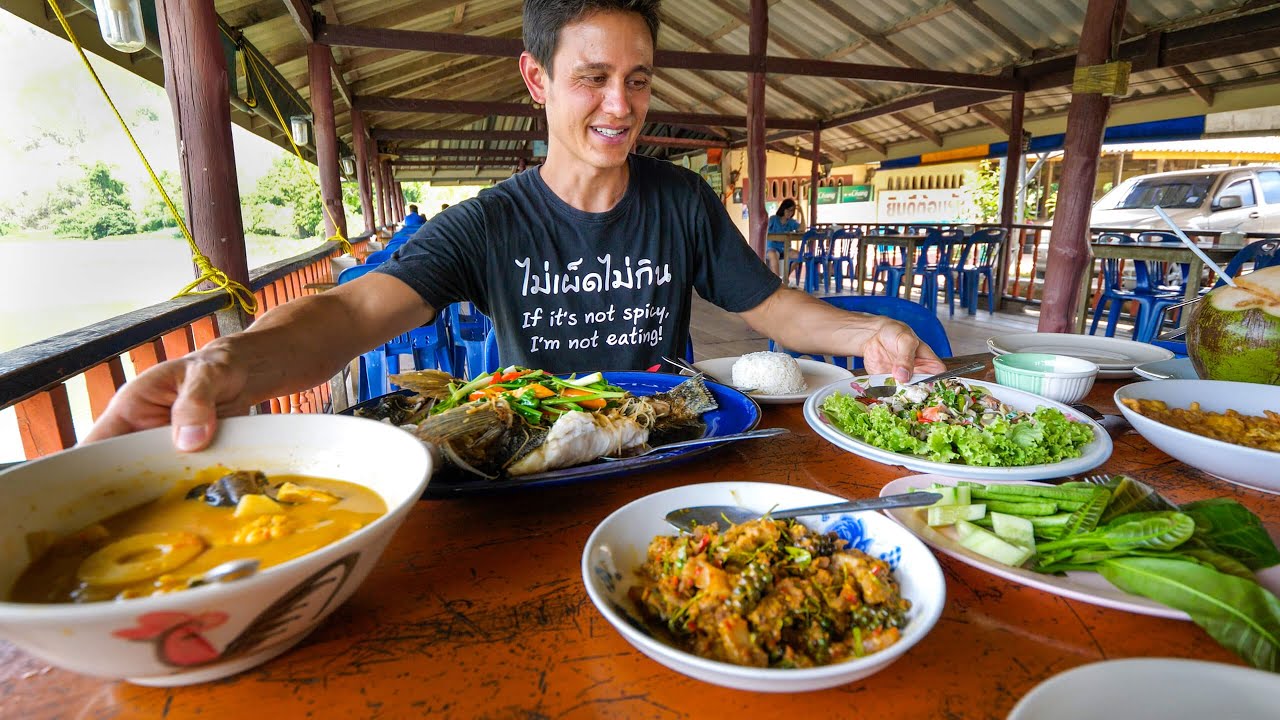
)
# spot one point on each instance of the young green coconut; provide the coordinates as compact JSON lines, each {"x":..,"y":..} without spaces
{"x":1234,"y":332}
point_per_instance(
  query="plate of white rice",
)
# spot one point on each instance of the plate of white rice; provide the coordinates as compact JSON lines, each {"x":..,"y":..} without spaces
{"x":777,"y":378}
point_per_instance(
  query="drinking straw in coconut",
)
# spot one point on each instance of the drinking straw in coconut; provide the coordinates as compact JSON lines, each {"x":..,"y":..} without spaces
{"x":1194,"y":248}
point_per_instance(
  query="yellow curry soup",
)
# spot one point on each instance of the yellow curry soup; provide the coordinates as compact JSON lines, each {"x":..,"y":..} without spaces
{"x":1262,"y":432}
{"x":163,"y":545}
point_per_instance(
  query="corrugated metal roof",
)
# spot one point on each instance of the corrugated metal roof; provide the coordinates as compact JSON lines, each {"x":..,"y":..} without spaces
{"x":933,"y":34}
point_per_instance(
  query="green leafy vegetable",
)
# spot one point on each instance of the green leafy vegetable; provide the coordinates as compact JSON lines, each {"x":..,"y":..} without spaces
{"x":1238,"y":613}
{"x":1231,"y":529}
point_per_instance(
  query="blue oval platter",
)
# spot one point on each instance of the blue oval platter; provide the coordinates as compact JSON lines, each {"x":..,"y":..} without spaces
{"x":737,"y":413}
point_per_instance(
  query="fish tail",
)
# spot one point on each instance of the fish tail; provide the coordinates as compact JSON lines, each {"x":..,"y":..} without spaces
{"x":474,"y":425}
{"x":428,"y":383}
{"x":693,"y":396}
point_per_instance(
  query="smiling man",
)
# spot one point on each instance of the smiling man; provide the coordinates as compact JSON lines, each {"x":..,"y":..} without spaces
{"x":586,"y":262}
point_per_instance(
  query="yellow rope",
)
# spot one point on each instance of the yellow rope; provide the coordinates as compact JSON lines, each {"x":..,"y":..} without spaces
{"x":252,"y":64}
{"x":239,"y":293}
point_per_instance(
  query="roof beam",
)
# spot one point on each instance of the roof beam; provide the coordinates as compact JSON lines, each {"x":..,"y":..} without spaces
{"x":1197,"y":88}
{"x":453,"y":163}
{"x":886,"y":45}
{"x":378,"y":103}
{"x":304,"y":17}
{"x":347,"y":35}
{"x":875,"y":146}
{"x":991,"y":118}
{"x":983,"y":19}
{"x":512,"y":153}
{"x":919,"y":128}
{"x":495,"y":135}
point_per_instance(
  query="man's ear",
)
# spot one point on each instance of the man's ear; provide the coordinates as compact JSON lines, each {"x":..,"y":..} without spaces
{"x":536,"y":78}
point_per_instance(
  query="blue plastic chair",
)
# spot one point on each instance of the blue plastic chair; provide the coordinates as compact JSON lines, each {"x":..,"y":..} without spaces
{"x":468,"y":331}
{"x":946,"y":248}
{"x":890,"y":262}
{"x":981,"y":252}
{"x":425,"y":344}
{"x":844,"y":249}
{"x":919,"y":318}
{"x":804,"y":260}
{"x":1263,"y":253}
{"x":378,"y":257}
{"x":1113,"y":291}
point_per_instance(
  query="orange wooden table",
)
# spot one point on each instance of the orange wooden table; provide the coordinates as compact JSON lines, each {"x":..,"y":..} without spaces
{"x":477,"y":610}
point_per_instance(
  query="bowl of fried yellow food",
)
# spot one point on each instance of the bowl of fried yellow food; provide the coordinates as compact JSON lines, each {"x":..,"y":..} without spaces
{"x":765,"y":605}
{"x":1230,"y":430}
{"x":112,"y":553}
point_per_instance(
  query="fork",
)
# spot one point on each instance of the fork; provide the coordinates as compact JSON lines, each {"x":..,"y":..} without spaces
{"x":1097,"y":479}
{"x":684,"y":365}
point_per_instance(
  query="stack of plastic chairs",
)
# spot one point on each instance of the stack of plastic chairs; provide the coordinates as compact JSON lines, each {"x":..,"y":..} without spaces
{"x":920,"y":319}
{"x":981,"y":252}
{"x":468,"y":332}
{"x":889,"y":262}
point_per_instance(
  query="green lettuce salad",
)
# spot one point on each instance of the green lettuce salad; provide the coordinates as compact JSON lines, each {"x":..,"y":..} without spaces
{"x":948,"y":421}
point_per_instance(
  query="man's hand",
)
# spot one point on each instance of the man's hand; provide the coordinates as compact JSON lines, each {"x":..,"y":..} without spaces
{"x":893,"y":348}
{"x":189,"y":393}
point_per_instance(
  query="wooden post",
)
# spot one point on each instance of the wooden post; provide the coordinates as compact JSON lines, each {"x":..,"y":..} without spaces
{"x":757,"y":157}
{"x":195,"y":78}
{"x":815,"y":171}
{"x":360,"y":139}
{"x":318,"y":64}
{"x":1069,"y":256}
{"x":1014,"y":165}
{"x":384,"y":194}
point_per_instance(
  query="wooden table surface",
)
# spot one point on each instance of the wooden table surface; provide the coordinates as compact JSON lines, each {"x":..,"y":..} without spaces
{"x":478,"y":610}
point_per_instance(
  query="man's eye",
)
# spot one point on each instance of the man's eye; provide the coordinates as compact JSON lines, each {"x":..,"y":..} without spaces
{"x":639,"y":84}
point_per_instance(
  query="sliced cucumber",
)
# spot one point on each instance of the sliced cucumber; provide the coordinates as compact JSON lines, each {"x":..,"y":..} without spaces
{"x":949,"y":514}
{"x":1017,"y":530}
{"x":957,"y":494}
{"x":987,"y":544}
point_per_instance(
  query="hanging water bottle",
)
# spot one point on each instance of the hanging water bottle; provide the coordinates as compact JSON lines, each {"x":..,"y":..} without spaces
{"x":121,"y":24}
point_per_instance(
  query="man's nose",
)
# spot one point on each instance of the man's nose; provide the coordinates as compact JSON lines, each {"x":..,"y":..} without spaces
{"x":616,"y":101}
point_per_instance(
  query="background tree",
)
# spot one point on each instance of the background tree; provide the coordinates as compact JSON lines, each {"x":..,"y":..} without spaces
{"x":982,"y":188}
{"x":102,"y":209}
{"x":155,"y":214}
{"x":288,"y":185}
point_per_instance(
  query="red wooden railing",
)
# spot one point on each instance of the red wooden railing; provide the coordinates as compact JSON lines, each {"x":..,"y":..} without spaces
{"x":34,"y":378}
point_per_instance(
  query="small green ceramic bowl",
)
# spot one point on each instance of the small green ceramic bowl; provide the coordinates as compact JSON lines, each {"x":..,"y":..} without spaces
{"x":1057,"y":377}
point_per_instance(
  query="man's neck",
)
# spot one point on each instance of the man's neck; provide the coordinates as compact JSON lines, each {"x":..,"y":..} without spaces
{"x":594,"y":190}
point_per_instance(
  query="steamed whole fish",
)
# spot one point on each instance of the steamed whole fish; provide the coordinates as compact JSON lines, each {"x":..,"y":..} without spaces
{"x":521,"y":421}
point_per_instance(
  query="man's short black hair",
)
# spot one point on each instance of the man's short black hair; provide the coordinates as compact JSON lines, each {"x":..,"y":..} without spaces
{"x":544,"y":19}
{"x":413,"y":208}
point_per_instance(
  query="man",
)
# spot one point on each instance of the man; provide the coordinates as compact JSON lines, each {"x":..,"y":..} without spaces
{"x":585,"y":262}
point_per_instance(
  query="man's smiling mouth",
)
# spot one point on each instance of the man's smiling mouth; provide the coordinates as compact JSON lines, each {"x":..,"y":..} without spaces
{"x":609,"y":132}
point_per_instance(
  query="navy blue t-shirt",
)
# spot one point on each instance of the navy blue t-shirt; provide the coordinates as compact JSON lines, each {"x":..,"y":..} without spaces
{"x":573,"y":291}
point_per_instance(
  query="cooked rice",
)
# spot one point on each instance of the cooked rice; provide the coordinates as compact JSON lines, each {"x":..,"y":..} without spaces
{"x":770,"y":373}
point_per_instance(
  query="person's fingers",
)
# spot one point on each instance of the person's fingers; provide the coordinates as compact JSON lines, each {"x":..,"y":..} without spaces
{"x":109,"y":425}
{"x":195,"y":410}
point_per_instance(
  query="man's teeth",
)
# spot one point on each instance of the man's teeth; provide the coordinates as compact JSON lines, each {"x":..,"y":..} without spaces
{"x":608,"y":132}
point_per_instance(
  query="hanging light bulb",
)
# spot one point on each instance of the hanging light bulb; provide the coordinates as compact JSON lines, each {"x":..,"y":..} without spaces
{"x":121,"y":24}
{"x":301,"y":129}
{"x":348,"y":164}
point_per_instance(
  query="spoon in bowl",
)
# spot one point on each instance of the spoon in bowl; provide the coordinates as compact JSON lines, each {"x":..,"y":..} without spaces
{"x":227,"y":572}
{"x":686,"y":518}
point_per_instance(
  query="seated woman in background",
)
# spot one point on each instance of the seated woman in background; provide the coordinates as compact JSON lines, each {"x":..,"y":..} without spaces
{"x":782,"y":221}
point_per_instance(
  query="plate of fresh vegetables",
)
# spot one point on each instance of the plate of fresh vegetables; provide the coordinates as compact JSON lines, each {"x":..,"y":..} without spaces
{"x":1119,"y":545}
{"x":960,"y":428}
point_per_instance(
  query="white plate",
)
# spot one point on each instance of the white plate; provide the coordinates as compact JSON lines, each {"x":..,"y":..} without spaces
{"x":1173,"y":369}
{"x":1114,"y":357}
{"x":1095,"y":452}
{"x":1150,"y":688}
{"x":1083,"y":586}
{"x":1251,"y":467}
{"x":816,"y":374}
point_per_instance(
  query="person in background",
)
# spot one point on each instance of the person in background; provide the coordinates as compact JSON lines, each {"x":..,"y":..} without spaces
{"x":444,"y":207}
{"x":782,"y":221}
{"x":413,"y":221}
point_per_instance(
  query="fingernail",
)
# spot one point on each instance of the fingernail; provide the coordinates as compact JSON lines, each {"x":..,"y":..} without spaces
{"x":191,"y":437}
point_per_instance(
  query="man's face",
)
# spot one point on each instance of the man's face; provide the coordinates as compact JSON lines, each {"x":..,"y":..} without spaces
{"x":597,"y":99}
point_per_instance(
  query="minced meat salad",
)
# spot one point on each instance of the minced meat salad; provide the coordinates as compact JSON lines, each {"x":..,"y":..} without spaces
{"x":770,"y":593}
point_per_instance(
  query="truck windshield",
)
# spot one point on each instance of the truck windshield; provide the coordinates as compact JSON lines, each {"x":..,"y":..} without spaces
{"x":1178,"y":191}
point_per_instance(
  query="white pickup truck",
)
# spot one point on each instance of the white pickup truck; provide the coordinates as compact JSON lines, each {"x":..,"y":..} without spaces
{"x":1243,"y":199}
